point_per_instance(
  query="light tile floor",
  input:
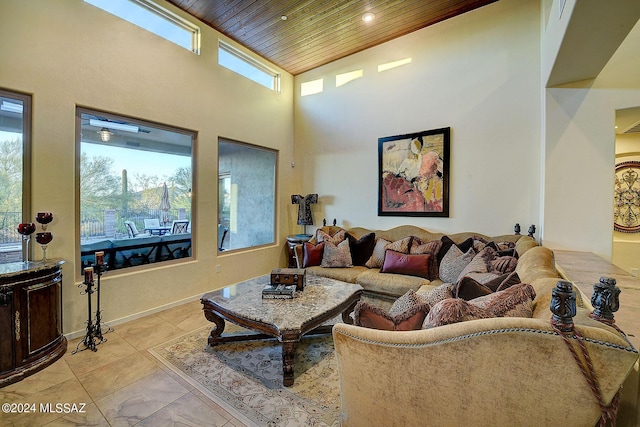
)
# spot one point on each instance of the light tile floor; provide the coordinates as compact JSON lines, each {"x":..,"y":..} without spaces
{"x":121,"y":384}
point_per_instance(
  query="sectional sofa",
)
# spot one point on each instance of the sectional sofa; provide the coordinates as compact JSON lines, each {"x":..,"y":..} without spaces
{"x":497,"y":371}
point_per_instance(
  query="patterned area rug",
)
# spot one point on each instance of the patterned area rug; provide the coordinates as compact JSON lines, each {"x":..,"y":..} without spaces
{"x":245,"y":378}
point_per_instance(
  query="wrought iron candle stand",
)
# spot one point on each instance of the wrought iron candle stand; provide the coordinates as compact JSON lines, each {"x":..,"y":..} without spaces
{"x":100,"y":269}
{"x":94,"y":335}
{"x":89,"y":339}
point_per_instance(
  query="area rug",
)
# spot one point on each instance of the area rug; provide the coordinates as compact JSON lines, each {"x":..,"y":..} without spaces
{"x":245,"y":377}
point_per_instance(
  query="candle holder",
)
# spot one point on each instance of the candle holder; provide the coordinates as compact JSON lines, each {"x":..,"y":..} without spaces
{"x":89,"y":340}
{"x":94,"y":335}
{"x":100,"y":268}
{"x":26,"y":229}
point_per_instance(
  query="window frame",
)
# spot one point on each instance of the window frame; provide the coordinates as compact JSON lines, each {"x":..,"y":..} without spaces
{"x":168,"y":16}
{"x":251,"y":62}
{"x":27,"y":121}
{"x":80,"y":111}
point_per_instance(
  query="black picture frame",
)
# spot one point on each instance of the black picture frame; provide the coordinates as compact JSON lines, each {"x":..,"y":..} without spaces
{"x":413,"y":174}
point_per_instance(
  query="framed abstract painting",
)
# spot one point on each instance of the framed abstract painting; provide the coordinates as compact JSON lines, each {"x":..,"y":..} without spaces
{"x":413,"y":173}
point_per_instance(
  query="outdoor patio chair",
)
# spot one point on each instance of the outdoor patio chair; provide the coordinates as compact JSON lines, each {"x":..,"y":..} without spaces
{"x":132,"y":230}
{"x":180,"y":226}
{"x":151,"y":224}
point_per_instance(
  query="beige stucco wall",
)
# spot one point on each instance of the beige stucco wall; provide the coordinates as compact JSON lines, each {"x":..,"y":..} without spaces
{"x":68,"y":53}
{"x":478,"y":73}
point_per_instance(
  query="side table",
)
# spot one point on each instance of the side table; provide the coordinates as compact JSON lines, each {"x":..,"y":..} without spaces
{"x":292,"y":242}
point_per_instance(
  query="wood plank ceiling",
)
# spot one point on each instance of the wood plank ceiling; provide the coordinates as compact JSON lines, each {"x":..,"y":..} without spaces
{"x":316,"y":32}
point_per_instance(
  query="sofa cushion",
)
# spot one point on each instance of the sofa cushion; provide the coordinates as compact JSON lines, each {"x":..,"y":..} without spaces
{"x":371,"y":316}
{"x":377,"y":257}
{"x":312,"y":254}
{"x":412,"y":265}
{"x":372,"y":280}
{"x":454,"y":262}
{"x":468,"y":288}
{"x":344,"y":274}
{"x":336,"y":255}
{"x":362,"y":248}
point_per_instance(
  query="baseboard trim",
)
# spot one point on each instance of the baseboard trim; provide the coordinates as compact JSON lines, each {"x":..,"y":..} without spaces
{"x":115,"y":322}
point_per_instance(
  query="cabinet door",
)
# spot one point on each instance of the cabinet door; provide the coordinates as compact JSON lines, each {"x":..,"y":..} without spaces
{"x":7,"y":328}
{"x":39,"y":315}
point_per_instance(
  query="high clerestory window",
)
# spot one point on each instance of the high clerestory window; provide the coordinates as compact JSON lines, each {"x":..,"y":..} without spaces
{"x":238,"y":62}
{"x":135,"y":188}
{"x":156,"y":19}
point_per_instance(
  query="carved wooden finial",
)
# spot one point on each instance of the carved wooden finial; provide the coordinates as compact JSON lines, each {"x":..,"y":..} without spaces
{"x":516,"y":229}
{"x":563,"y":305}
{"x":532,"y":230}
{"x":605,"y":298}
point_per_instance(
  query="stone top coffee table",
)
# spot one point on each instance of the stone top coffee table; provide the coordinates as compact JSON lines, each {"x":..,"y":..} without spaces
{"x":285,"y":319}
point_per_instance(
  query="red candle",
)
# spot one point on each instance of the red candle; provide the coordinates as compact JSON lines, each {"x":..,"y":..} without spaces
{"x":100,"y":258}
{"x":88,"y":275}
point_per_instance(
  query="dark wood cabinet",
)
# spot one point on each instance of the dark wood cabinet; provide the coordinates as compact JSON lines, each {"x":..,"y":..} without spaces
{"x":30,"y":318}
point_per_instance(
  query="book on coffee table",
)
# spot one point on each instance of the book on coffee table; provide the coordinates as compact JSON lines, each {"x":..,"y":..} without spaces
{"x":278,"y":291}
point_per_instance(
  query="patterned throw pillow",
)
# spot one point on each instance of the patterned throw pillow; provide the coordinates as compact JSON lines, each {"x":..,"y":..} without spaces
{"x":447,"y":243}
{"x":431,"y":247}
{"x":454,"y":262}
{"x":377,"y":257}
{"x":516,"y":301}
{"x":336,"y":256}
{"x":481,"y":263}
{"x":453,"y":310}
{"x":407,"y":302}
{"x":438,"y":294}
{"x":321,"y":236}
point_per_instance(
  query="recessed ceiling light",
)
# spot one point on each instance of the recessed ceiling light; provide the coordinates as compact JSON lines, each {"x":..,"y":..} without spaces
{"x":284,"y":17}
{"x":368,"y":17}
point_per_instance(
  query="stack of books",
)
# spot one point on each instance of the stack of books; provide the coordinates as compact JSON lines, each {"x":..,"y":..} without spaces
{"x":278,"y":291}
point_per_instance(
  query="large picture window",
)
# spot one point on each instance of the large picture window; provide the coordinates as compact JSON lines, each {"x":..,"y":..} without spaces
{"x":135,"y":190}
{"x":247,"y":195}
{"x":15,"y":139}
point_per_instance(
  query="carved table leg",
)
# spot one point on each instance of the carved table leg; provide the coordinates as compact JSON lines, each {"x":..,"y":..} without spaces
{"x":288,"y":354}
{"x":212,"y":316}
{"x":346,"y":315}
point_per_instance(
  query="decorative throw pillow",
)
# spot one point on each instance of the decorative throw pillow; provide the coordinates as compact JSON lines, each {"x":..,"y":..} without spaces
{"x":481,"y":263}
{"x":468,"y":289}
{"x":504,"y":264}
{"x":447,"y":243}
{"x":438,"y":294}
{"x":312,"y":254}
{"x":515,"y":301}
{"x":370,"y":316}
{"x":322,"y":236}
{"x":336,"y":256}
{"x":431,"y":247}
{"x":454,"y":262}
{"x":453,"y":310}
{"x":407,"y":302}
{"x":411,"y":265}
{"x":377,"y":257}
{"x":361,"y":249}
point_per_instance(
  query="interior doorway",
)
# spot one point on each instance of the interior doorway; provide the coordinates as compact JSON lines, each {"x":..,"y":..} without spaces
{"x":626,"y":232}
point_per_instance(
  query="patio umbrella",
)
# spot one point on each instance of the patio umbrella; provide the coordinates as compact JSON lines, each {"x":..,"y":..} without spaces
{"x":165,"y":205}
